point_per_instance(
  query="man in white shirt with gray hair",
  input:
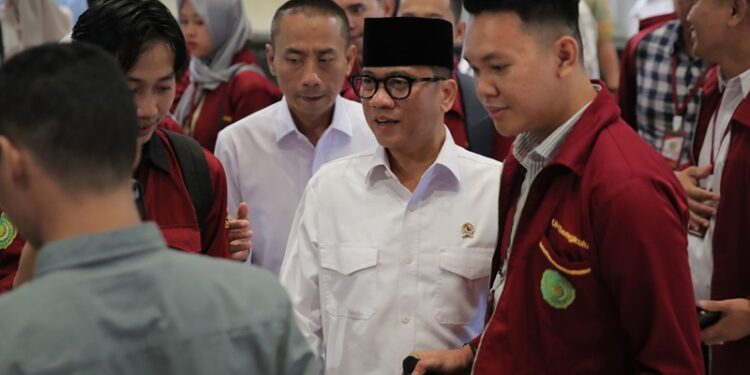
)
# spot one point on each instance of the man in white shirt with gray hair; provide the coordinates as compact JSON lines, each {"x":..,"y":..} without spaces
{"x":270,"y":155}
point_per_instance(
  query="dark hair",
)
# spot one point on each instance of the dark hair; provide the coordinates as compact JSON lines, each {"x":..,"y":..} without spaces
{"x":70,"y":106}
{"x":126,"y":28}
{"x":311,"y":7}
{"x":561,"y":14}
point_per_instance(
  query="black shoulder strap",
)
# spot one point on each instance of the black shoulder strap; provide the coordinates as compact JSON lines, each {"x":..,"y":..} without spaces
{"x":195,"y":173}
{"x":480,"y":131}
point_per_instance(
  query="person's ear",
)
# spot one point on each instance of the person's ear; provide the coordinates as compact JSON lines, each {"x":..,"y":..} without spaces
{"x":739,"y":12}
{"x":448,"y":90}
{"x":13,"y":163}
{"x":351,"y":57}
{"x":567,"y":54}
{"x":270,"y":56}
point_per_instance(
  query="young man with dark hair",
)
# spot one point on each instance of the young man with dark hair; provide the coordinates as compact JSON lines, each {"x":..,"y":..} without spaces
{"x":413,"y":271}
{"x":717,"y":186}
{"x":468,"y":121}
{"x":591,"y":273}
{"x":270,"y":155}
{"x":190,"y":205}
{"x":108,"y":296}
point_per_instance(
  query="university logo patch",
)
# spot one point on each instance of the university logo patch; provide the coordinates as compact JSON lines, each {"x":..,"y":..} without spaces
{"x":557,"y":291}
{"x":8,"y":232}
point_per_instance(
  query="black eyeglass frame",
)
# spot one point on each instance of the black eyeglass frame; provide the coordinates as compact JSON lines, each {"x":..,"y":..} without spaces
{"x":411,"y":80}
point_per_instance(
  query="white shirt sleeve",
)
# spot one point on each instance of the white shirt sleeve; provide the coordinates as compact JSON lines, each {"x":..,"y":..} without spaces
{"x":301,"y":268}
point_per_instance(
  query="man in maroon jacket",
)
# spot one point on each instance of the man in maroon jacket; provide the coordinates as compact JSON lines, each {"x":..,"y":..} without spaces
{"x":592,"y":274}
{"x":718,"y":184}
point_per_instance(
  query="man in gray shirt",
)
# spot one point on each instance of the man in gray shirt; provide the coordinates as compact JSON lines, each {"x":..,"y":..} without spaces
{"x":109,"y":297}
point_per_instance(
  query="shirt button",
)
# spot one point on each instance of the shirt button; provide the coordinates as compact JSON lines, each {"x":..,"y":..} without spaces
{"x":408,"y":260}
{"x":412,"y":207}
{"x":405,"y":320}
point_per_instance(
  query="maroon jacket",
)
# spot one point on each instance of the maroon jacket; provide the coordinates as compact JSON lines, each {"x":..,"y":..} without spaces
{"x":168,"y":202}
{"x":247,"y":92}
{"x":9,"y":258}
{"x":608,"y":216}
{"x":731,"y":277}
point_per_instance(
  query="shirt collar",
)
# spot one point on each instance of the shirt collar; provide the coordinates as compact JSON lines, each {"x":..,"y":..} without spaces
{"x":446,"y":163}
{"x":529,"y":145}
{"x":98,"y":248}
{"x":340,"y":121}
{"x":743,"y":80}
{"x":155,"y":152}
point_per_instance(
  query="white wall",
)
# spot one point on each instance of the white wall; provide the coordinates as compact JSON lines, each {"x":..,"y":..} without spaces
{"x":260,"y":13}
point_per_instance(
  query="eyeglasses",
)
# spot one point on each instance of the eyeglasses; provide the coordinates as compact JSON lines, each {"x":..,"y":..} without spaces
{"x":398,"y":87}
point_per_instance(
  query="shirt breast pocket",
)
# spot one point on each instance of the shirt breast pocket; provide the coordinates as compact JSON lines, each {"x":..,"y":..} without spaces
{"x":348,"y":280}
{"x":567,"y":258}
{"x":462,"y":284}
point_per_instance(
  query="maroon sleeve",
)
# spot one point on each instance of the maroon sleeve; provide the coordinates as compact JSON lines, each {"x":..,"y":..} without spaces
{"x":9,"y":259}
{"x":647,"y":272}
{"x":214,"y":237}
{"x":251,"y":92}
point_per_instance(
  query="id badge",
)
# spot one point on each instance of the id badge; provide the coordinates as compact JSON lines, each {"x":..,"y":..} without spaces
{"x":671,"y":148}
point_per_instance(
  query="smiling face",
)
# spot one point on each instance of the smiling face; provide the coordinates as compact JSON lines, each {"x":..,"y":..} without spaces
{"x":152,"y":81}
{"x":310,"y":59}
{"x":414,"y":124}
{"x":708,"y":20}
{"x":516,"y":73}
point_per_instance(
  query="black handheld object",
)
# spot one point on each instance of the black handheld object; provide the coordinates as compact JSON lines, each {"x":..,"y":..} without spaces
{"x":707,"y":318}
{"x":409,"y":364}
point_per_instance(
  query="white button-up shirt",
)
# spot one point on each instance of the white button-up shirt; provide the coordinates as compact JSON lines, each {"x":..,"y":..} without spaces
{"x":268,"y":163}
{"x":376,"y":271}
{"x":700,"y":250}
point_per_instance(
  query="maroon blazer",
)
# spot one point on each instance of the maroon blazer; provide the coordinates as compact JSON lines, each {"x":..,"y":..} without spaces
{"x":9,"y":258}
{"x":598,"y":280}
{"x":731,"y":277}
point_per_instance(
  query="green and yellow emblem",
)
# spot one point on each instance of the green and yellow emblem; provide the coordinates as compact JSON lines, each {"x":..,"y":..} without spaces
{"x":8,"y":232}
{"x":557,"y":290}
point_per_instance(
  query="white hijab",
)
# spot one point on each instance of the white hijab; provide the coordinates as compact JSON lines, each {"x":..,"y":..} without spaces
{"x":229,"y":30}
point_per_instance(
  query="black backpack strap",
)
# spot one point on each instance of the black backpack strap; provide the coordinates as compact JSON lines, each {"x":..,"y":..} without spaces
{"x":479,"y":127}
{"x":195,"y":174}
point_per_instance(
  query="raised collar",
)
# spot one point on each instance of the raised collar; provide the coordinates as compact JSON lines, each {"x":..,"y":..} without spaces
{"x":340,"y":121}
{"x":446,"y":164}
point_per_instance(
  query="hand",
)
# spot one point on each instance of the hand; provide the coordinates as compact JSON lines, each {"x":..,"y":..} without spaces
{"x":447,"y":362}
{"x":734,"y":323}
{"x":240,"y":234}
{"x":699,"y":200}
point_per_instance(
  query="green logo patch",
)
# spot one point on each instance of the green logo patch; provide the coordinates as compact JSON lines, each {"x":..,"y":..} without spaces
{"x":557,"y":290}
{"x":8,"y":232}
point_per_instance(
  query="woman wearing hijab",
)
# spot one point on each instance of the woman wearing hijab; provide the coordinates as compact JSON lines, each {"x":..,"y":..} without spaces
{"x":225,"y":81}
